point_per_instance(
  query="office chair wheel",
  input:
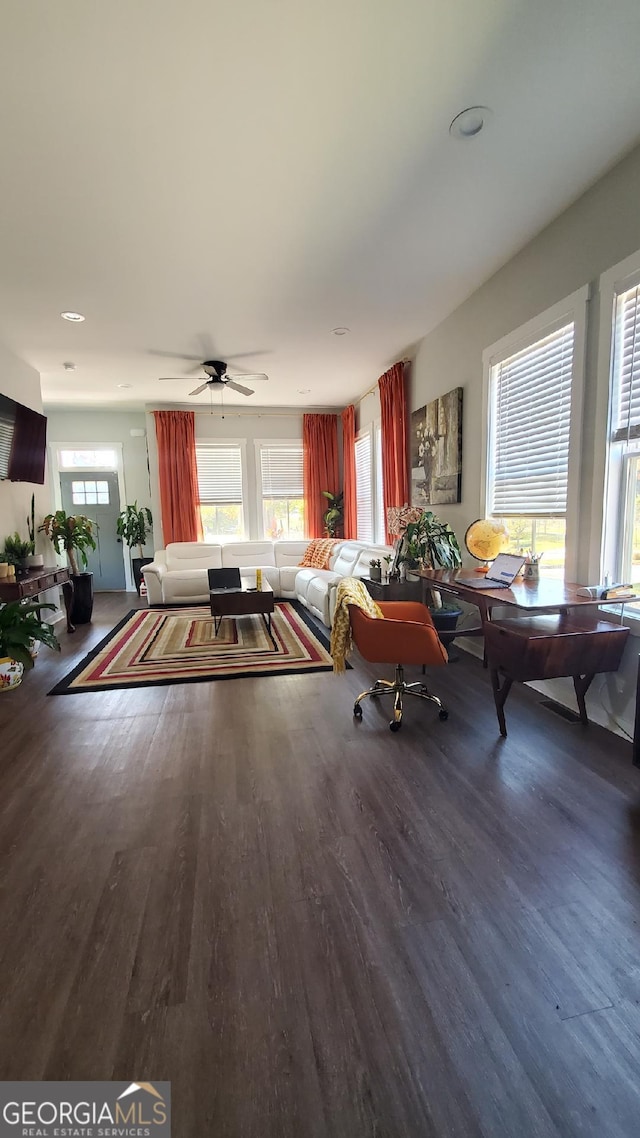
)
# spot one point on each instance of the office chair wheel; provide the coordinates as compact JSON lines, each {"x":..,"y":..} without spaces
{"x":357,"y":711}
{"x":443,"y":713}
{"x":395,"y":725}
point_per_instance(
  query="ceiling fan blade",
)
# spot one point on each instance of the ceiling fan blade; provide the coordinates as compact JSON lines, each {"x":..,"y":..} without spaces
{"x":257,"y":377}
{"x":172,"y":378}
{"x":238,"y":387}
{"x":202,"y":387}
{"x":173,"y":355}
{"x":246,"y":355}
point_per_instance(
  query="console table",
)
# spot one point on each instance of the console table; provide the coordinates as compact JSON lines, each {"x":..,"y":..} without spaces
{"x":35,"y":581}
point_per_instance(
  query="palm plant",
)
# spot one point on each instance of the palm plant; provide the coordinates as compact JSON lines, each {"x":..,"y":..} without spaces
{"x":133,"y":525}
{"x":21,"y":623}
{"x":332,"y":516}
{"x":70,"y":533}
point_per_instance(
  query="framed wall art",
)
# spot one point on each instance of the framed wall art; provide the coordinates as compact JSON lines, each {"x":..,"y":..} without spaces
{"x":436,"y":451}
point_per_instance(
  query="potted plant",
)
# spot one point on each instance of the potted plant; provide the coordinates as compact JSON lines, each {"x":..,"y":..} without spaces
{"x":73,"y":535}
{"x":375,"y":569}
{"x":133,"y":525}
{"x":430,"y":541}
{"x":34,"y":560}
{"x":21,"y":625}
{"x":16,"y":551}
{"x":332,"y":516}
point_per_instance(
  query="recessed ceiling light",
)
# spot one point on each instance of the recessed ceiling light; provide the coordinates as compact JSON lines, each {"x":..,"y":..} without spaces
{"x":68,"y":366}
{"x":125,"y":385}
{"x":304,"y":390}
{"x":469,"y":123}
{"x":76,"y":317}
{"x":339,"y":331}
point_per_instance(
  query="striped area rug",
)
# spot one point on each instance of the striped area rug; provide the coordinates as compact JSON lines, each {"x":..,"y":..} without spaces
{"x":178,"y":645}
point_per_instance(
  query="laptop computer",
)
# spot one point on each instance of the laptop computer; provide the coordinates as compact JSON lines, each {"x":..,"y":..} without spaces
{"x":224,"y":581}
{"x":500,"y":574}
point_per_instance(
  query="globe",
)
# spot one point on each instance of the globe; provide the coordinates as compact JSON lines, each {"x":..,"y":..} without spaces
{"x":485,"y":538}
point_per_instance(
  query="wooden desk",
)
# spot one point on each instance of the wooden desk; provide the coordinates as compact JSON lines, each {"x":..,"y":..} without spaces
{"x":571,"y":643}
{"x":35,"y":581}
{"x":546,"y":594}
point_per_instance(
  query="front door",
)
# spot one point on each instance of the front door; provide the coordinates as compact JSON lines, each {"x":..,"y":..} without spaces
{"x":96,"y":496}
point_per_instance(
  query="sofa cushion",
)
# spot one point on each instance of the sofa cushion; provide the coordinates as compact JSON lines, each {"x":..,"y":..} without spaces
{"x":344,"y":558}
{"x":362,"y":567}
{"x":248,"y":553}
{"x":185,"y":584}
{"x":288,"y":575}
{"x":289,"y":552}
{"x":193,"y":555}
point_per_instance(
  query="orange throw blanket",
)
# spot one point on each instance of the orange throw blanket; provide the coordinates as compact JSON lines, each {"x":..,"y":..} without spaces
{"x":318,"y":553}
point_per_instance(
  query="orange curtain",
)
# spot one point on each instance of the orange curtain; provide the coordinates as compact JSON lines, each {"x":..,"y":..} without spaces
{"x":176,"y":435}
{"x":320,"y":468}
{"x":349,"y":471}
{"x":395,"y":469}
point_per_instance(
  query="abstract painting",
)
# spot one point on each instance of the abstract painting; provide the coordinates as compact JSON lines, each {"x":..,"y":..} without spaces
{"x":436,"y":451}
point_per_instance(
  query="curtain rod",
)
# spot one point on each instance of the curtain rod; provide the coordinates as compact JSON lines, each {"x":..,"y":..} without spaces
{"x":371,"y":390}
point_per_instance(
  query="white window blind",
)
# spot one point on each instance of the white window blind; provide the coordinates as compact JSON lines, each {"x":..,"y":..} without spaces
{"x":530,"y":419}
{"x":363,"y":488}
{"x":281,"y":471}
{"x":219,"y":473}
{"x":7,"y":423}
{"x":626,"y":366}
{"x":381,"y":535}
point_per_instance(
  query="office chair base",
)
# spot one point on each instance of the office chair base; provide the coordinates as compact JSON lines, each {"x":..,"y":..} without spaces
{"x":398,"y":689}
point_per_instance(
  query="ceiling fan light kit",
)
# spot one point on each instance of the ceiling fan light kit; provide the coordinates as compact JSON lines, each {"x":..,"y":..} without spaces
{"x":216,"y":372}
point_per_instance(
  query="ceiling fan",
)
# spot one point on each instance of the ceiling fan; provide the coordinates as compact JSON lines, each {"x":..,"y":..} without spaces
{"x":216,"y":372}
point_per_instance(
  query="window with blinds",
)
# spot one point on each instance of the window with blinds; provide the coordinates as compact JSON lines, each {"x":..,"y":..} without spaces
{"x":220,"y":491}
{"x":529,"y":432}
{"x":626,"y":367}
{"x":280,"y":488}
{"x":7,"y":424}
{"x":364,"y":488}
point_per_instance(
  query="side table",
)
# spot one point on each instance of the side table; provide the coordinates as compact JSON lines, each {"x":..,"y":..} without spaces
{"x":393,"y":590}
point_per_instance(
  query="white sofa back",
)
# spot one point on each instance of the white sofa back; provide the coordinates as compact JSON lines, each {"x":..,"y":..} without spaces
{"x":248,"y":554}
{"x":193,"y":555}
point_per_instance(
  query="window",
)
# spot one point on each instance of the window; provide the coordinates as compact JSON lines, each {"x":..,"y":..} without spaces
{"x":280,"y":489}
{"x":220,"y":490}
{"x":533,"y":384}
{"x":620,"y":307}
{"x":364,"y":488}
{"x":369,"y":491}
{"x":90,"y":493}
{"x":101,"y":459}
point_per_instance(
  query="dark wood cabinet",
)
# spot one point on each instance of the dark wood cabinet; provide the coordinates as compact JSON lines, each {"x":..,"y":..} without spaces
{"x":393,"y":590}
{"x":36,"y":581}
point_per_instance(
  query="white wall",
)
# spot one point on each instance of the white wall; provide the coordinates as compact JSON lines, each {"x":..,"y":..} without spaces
{"x":596,"y":232}
{"x":20,"y":382}
{"x":97,"y":427}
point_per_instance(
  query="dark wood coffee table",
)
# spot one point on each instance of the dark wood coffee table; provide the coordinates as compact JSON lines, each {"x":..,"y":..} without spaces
{"x":246,"y":601}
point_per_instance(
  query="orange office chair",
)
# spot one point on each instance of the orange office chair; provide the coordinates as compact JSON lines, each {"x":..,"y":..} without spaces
{"x":407,"y":633}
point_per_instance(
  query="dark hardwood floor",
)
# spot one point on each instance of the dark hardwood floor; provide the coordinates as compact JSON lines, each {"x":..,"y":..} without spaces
{"x":311,"y":926}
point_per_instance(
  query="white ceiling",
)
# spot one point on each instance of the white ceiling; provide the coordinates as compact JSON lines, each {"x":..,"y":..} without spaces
{"x":215,"y":178}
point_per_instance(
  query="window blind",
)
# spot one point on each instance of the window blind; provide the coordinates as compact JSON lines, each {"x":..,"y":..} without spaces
{"x":626,"y":366}
{"x":364,"y":509}
{"x":219,"y":473}
{"x":7,"y":423}
{"x":531,"y":415}
{"x":381,"y":535}
{"x":281,"y":471}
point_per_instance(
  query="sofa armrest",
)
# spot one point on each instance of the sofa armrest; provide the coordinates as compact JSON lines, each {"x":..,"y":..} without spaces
{"x":153,"y":574}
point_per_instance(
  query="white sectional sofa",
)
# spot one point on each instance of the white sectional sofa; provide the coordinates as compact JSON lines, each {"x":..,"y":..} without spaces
{"x":178,"y":574}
